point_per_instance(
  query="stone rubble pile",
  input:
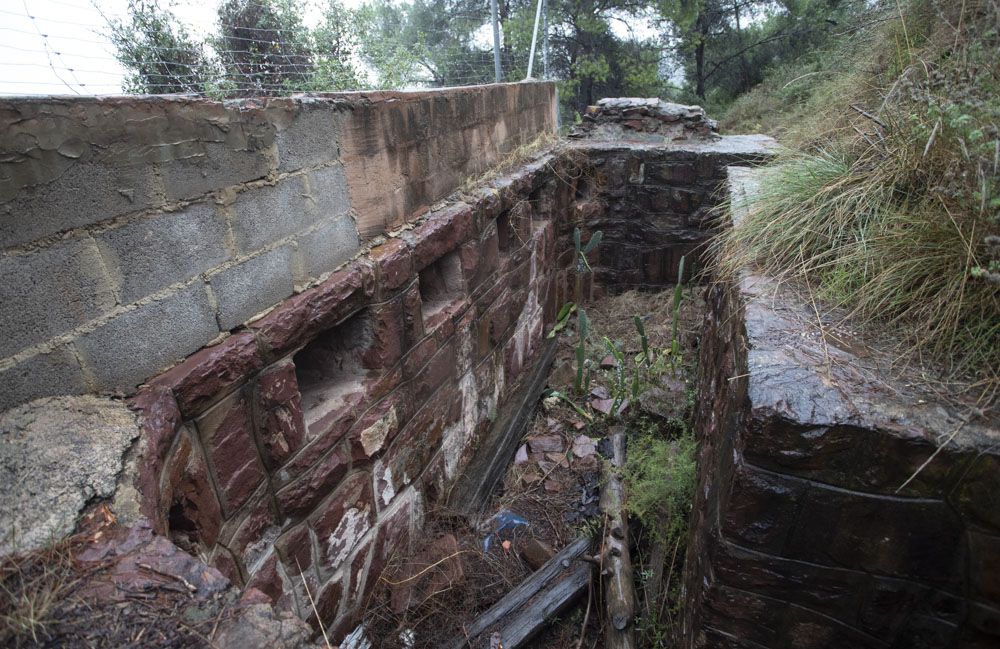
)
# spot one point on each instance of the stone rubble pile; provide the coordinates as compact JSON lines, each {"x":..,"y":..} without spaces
{"x":634,"y":118}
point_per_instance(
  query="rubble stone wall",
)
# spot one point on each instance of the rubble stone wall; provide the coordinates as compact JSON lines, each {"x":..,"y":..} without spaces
{"x":807,"y":529}
{"x":134,"y":231}
{"x":655,"y":204}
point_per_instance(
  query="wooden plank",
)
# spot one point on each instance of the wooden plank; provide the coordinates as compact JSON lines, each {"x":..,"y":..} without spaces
{"x":524,"y":611}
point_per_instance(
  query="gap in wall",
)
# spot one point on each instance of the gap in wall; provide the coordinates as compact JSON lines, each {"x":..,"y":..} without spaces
{"x":329,"y":368}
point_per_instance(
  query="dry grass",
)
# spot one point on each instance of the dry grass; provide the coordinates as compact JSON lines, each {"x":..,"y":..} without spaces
{"x":32,"y":587}
{"x":889,"y":212}
{"x":508,"y":162}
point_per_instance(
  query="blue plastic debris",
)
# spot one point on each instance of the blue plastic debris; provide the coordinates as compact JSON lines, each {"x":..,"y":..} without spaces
{"x":504,"y":521}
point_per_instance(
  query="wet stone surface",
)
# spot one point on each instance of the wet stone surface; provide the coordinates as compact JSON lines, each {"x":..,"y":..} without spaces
{"x":841,"y":507}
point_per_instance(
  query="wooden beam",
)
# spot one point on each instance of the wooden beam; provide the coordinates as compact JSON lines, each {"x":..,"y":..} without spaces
{"x":527,"y":610}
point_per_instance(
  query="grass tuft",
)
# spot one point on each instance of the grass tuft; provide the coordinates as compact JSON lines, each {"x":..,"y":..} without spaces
{"x":889,"y":212}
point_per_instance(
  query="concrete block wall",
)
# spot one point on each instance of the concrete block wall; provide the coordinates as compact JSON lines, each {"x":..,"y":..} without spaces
{"x":134,"y":231}
{"x":303,"y":450}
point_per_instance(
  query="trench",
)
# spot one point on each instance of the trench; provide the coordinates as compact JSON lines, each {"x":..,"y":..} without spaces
{"x":548,"y":496}
{"x":397,"y":453}
{"x":396,"y":426}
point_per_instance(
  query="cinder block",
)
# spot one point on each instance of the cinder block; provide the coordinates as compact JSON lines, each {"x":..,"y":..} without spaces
{"x":328,"y":246}
{"x":42,"y":375}
{"x":252,"y":286}
{"x":312,"y":138}
{"x":85,"y":193}
{"x":328,"y":188}
{"x":134,"y":345}
{"x":237,"y":158}
{"x":263,"y":215}
{"x":156,"y":252}
{"x":47,"y":292}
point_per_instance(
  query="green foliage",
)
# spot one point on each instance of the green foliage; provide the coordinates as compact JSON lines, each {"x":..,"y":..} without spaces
{"x":158,"y":54}
{"x":260,"y":47}
{"x":582,"y":362}
{"x":661,"y":474}
{"x":890,"y":207}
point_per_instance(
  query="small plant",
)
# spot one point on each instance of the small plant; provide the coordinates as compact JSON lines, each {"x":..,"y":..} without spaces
{"x":582,"y":362}
{"x":582,"y":265}
{"x":675,"y":344}
{"x":661,"y":476}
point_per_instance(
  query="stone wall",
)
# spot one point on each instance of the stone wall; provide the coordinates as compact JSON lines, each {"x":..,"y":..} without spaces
{"x":304,"y":449}
{"x":134,"y":231}
{"x":656,"y":203}
{"x":807,"y":530}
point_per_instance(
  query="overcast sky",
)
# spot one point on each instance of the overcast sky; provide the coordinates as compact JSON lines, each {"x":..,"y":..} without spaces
{"x":60,"y":47}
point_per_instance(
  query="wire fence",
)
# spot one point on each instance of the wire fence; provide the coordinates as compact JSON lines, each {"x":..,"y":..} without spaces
{"x":107,"y":47}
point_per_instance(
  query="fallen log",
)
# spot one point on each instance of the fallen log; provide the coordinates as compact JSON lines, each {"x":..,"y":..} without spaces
{"x":526,"y":610}
{"x":616,"y":563}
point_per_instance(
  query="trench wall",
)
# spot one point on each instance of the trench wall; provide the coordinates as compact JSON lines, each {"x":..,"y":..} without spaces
{"x":655,"y":204}
{"x":134,"y":231}
{"x":319,"y":341}
{"x":282,"y":471}
{"x":807,"y":530}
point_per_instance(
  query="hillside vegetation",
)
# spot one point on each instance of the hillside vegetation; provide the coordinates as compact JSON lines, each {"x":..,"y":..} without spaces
{"x":886,"y":199}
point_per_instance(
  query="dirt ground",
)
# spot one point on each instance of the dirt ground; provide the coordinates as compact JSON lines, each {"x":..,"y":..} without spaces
{"x":553,"y":485}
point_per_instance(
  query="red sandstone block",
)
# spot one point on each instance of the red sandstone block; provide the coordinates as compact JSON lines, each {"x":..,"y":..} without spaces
{"x":437,"y":371}
{"x":223,"y":561}
{"x":343,"y":519}
{"x":479,"y":259}
{"x":378,"y":427}
{"x":413,"y":448}
{"x":267,"y":580}
{"x":419,"y":354}
{"x":294,"y":549}
{"x":226,"y":430}
{"x":328,"y":416}
{"x":486,"y":208}
{"x":761,"y":510}
{"x":442,"y":232}
{"x":277,"y":385}
{"x":160,"y":419}
{"x":257,"y":517}
{"x":188,"y":494}
{"x":440,"y":321}
{"x":413,"y":321}
{"x":392,"y":540}
{"x":281,"y":429}
{"x":393,"y":266}
{"x":300,"y":497}
{"x":300,"y":318}
{"x":212,"y":372}
{"x":386,"y":345}
{"x":434,"y":481}
{"x":328,"y":604}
